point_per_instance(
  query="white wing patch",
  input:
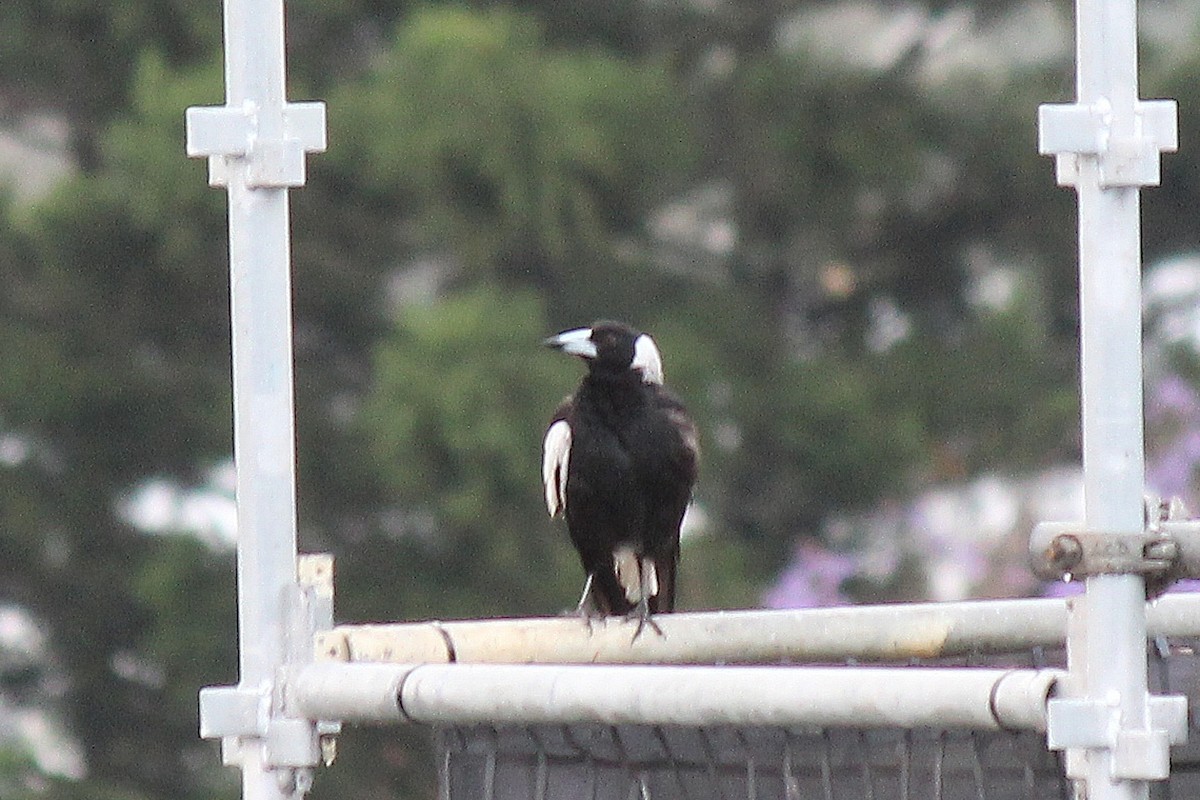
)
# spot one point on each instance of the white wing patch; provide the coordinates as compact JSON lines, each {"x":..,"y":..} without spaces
{"x":556,"y":453}
{"x":647,"y":359}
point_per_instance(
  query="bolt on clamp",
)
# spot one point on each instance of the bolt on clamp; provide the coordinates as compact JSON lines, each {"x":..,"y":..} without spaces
{"x":1167,"y":549}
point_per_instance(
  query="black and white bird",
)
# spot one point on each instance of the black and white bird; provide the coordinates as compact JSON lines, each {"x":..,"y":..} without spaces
{"x":619,"y":462}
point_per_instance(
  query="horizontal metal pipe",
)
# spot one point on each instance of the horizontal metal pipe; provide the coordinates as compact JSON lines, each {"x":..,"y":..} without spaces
{"x":865,"y":633}
{"x":909,"y":697}
{"x":346,"y":692}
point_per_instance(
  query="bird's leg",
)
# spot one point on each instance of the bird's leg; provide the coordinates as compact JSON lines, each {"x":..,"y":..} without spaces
{"x":587,"y":593}
{"x":648,"y":580}
{"x":586,"y":610}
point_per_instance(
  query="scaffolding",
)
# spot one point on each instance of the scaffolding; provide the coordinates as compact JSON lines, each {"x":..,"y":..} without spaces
{"x":300,"y":678}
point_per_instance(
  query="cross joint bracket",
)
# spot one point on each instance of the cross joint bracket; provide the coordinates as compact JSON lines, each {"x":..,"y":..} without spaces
{"x":1126,"y":155}
{"x":270,"y":146}
{"x":1137,"y":753}
{"x":291,"y":745}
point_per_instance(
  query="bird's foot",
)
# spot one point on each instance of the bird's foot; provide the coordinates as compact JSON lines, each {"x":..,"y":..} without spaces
{"x":589,"y":615}
{"x":585,"y":615}
{"x":587,"y":610}
{"x":641,"y":613}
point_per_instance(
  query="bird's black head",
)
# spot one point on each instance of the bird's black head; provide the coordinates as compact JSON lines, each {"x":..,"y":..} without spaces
{"x":612,"y":347}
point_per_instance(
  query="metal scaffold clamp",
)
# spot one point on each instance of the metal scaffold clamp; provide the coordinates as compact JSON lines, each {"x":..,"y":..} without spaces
{"x":1167,"y":550}
{"x":274,"y":159}
{"x":1141,"y":755}
{"x":265,"y":714}
{"x":1070,"y":130}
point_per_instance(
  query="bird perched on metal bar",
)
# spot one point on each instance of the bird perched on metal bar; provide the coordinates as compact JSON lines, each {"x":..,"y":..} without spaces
{"x":619,"y":462}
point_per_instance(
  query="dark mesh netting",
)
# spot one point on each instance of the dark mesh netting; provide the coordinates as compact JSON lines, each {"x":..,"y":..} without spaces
{"x":623,"y":762}
{"x":590,"y":761}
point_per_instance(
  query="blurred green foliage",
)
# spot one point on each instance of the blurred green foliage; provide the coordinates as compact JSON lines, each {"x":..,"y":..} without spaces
{"x":454,"y":421}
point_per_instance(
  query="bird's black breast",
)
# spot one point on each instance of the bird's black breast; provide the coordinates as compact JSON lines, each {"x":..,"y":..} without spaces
{"x":630,"y":472}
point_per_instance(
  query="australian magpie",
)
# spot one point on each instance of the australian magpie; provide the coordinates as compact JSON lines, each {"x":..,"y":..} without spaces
{"x":619,"y":461}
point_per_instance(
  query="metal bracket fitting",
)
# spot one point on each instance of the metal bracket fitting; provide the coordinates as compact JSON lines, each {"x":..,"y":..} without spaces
{"x":291,"y":743}
{"x":1166,"y":550}
{"x":1142,"y":755}
{"x":1070,"y":131}
{"x":274,"y":158}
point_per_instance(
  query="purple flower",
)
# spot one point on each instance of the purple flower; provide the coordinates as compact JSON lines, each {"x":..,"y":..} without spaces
{"x":813,"y":578}
{"x":1172,"y":394}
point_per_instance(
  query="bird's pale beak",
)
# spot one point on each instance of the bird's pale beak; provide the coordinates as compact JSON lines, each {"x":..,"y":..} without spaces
{"x":577,"y":342}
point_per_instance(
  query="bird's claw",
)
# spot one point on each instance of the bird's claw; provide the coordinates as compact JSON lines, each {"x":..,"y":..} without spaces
{"x":587,"y":610}
{"x":588,"y":615}
{"x":642,"y":614}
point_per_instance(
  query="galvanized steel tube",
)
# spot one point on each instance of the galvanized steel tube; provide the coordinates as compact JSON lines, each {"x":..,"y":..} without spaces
{"x":910,"y":697}
{"x":1113,"y":660}
{"x":866,"y":633}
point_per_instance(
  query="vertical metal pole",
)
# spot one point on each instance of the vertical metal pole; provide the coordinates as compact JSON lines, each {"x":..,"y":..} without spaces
{"x":1111,"y":376}
{"x":256,"y":145}
{"x":260,"y":286}
{"x":264,"y":451}
{"x":1108,"y":146}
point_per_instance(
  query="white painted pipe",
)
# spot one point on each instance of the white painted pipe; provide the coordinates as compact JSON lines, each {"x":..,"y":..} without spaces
{"x":859,"y":697}
{"x":1113,"y":657}
{"x":867,"y":633}
{"x":264,"y":449}
{"x":347,"y":692}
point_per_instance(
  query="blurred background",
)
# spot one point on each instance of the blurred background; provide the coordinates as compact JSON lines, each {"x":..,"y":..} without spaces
{"x":831,"y":216}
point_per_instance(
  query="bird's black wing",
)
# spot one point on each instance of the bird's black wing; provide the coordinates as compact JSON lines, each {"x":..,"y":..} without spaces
{"x":672,"y":490}
{"x":589,"y":524}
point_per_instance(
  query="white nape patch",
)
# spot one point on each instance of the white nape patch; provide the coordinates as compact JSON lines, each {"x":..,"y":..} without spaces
{"x":629,"y":573}
{"x":556,"y":453}
{"x":647,"y":359}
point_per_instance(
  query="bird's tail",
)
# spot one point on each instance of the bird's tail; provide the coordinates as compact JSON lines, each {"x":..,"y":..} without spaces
{"x":665,"y":567}
{"x":639,"y":575}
